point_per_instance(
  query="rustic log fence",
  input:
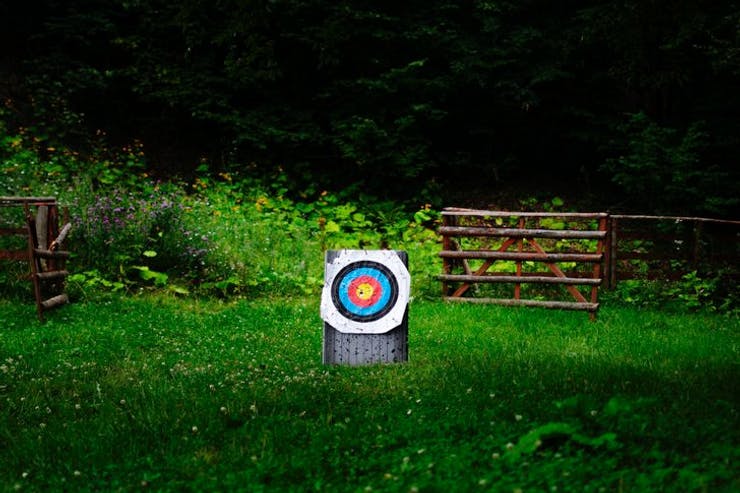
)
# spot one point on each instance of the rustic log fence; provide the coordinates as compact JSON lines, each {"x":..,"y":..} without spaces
{"x":578,"y":250}
{"x":668,"y":247}
{"x":550,"y":249}
{"x":43,"y":240}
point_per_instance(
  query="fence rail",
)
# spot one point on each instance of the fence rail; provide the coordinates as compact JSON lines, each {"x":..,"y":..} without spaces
{"x":577,"y":249}
{"x":668,"y":247}
{"x":542,"y":241}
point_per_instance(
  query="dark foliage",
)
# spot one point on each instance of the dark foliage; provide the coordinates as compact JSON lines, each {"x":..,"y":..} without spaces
{"x":478,"y":95}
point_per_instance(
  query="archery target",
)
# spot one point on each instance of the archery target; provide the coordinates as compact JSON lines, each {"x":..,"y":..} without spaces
{"x":365,"y":291}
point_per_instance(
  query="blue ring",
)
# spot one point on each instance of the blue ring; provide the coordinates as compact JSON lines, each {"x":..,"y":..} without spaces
{"x":376,"y":270}
{"x":365,"y":311}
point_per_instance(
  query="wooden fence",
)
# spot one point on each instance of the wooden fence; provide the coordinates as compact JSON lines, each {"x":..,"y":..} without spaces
{"x":668,"y":247}
{"x":573,"y":250}
{"x":561,"y":250}
{"x":43,"y":239}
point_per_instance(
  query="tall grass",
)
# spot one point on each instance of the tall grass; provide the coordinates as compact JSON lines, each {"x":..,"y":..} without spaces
{"x":167,"y":395}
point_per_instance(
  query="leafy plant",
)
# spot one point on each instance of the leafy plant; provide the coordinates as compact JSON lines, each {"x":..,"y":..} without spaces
{"x":556,"y":434}
{"x":693,"y":292}
{"x":661,"y":170}
{"x":117,"y":229}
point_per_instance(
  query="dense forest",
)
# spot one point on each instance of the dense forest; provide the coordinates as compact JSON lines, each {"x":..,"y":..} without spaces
{"x":631,"y":105}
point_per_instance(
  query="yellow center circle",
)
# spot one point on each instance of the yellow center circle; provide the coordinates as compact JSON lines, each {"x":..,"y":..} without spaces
{"x":364,"y":291}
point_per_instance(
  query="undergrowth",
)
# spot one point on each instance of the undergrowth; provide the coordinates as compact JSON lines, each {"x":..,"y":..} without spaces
{"x":231,"y":234}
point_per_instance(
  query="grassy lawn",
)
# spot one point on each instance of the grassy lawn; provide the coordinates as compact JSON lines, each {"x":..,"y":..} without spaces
{"x":167,"y":395}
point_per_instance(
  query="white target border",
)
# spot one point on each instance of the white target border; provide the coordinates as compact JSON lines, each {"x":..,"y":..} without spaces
{"x":392,"y":319}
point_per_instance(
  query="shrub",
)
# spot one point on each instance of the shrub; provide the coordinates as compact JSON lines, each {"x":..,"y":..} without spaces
{"x":117,"y":232}
{"x":225,"y":234}
{"x":661,"y":169}
{"x":264,"y":243}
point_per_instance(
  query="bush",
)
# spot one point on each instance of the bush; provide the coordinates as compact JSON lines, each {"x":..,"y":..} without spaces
{"x":128,"y":234}
{"x":264,"y":243}
{"x":663,"y":170}
{"x":225,"y":234}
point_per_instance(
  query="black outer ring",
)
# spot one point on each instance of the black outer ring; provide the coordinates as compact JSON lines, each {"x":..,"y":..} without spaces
{"x":358,"y":265}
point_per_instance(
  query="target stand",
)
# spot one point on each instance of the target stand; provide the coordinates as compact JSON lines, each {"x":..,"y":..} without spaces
{"x":364,"y":305}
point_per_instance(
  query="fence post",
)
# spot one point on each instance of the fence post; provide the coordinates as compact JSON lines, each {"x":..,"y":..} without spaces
{"x":696,"y":251}
{"x":612,"y":255}
{"x":520,"y":249}
{"x":447,"y":245}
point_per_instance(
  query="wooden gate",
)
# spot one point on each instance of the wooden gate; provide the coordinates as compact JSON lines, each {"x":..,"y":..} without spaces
{"x":42,"y":251}
{"x":529,"y":252}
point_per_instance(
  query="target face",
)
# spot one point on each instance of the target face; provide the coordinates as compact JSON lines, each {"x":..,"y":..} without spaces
{"x":365,"y":291}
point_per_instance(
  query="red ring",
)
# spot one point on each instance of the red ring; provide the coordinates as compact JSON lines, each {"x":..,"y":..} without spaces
{"x":354,"y":288}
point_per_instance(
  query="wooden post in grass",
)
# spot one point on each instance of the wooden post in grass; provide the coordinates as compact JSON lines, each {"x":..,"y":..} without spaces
{"x":364,"y":305}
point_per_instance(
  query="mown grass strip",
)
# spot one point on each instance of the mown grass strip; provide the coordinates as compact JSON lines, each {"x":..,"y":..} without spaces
{"x":174,"y":395}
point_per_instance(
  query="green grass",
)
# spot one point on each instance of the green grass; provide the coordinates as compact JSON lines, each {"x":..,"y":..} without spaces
{"x":169,"y":395}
